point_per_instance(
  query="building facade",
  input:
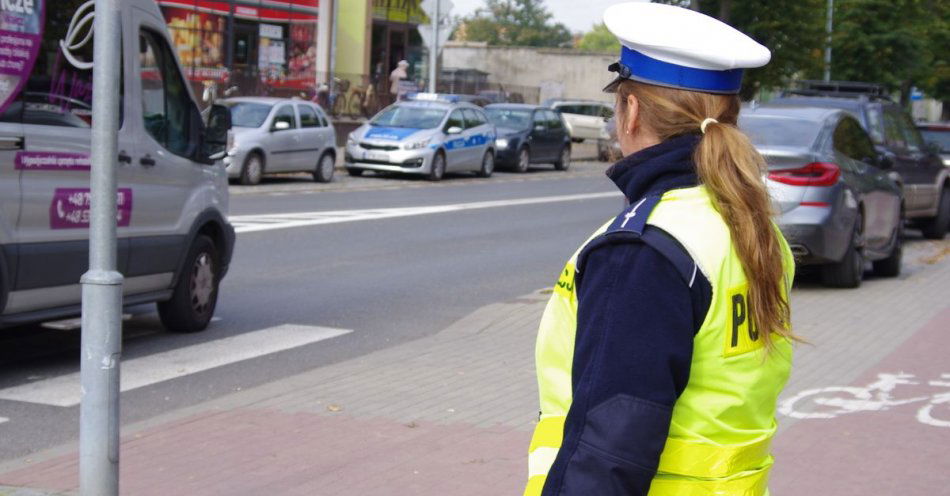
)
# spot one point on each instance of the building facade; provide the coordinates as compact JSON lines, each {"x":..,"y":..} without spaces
{"x":259,"y":47}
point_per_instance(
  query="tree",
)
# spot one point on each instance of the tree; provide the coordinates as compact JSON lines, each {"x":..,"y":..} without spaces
{"x":513,"y":23}
{"x":792,"y":29}
{"x":897,"y":43}
{"x":599,"y":40}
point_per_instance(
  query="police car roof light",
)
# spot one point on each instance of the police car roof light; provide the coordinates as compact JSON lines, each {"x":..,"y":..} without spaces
{"x":433,"y":97}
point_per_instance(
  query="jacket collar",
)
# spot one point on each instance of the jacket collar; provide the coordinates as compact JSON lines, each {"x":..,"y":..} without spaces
{"x":657,"y":169}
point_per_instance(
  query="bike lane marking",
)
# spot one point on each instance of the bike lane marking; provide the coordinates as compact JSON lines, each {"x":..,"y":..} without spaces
{"x":881,"y":446}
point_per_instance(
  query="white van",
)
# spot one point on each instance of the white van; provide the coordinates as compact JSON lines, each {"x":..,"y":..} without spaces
{"x":175,"y":242}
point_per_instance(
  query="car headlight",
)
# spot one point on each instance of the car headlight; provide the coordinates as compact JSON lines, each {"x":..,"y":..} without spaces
{"x":415,"y":145}
{"x":501,"y":143}
{"x":350,"y":140}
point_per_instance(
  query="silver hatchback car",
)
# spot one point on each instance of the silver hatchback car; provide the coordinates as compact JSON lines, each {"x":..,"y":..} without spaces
{"x":279,"y":135}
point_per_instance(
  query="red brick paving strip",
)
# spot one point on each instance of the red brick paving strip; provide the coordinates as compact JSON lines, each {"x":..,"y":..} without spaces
{"x":875,"y":453}
{"x":273,"y":452}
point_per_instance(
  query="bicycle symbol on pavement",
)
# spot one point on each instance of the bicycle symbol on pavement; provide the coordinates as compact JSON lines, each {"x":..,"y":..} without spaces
{"x":833,"y":401}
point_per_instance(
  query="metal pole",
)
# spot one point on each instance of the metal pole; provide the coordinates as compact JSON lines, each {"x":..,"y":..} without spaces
{"x":102,"y":284}
{"x":828,"y":28}
{"x":434,"y":49}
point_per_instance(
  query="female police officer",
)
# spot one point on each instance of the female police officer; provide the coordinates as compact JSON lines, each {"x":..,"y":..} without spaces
{"x":667,"y":341}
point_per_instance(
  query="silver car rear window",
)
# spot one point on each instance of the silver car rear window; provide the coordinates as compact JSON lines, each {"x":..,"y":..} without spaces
{"x":776,"y":130}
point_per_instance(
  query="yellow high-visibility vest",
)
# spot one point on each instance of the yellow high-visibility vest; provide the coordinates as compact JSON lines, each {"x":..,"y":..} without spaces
{"x":724,"y":420}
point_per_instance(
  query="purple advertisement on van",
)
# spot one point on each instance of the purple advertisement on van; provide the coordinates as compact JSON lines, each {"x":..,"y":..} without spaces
{"x":70,"y":208}
{"x":21,"y":33}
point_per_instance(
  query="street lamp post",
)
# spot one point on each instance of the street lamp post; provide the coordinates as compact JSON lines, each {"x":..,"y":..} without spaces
{"x":434,"y":47}
{"x":102,"y":284}
{"x":828,"y":28}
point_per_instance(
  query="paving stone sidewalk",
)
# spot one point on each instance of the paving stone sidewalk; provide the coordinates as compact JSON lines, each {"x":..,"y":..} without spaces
{"x":452,"y":414}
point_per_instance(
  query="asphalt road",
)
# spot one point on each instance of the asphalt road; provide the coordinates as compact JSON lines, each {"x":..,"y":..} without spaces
{"x":386,"y":269}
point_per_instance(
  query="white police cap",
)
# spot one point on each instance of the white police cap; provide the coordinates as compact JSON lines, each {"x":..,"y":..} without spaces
{"x":680,"y":48}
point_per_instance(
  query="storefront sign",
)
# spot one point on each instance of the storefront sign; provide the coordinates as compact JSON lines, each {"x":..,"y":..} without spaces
{"x":407,"y":11}
{"x":20,"y":35}
{"x":271,"y":31}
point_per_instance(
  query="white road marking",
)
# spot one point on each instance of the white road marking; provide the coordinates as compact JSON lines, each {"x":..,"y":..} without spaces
{"x":268,"y":222}
{"x":64,"y":391}
{"x":4,"y":419}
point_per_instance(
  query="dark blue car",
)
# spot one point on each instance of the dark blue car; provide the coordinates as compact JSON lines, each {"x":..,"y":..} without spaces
{"x":529,"y":134}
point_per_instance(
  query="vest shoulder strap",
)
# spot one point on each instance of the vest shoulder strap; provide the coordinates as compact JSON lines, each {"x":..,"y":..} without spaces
{"x":631,"y":227}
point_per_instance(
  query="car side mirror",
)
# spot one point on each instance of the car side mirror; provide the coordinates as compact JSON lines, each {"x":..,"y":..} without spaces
{"x":216,"y":134}
{"x":281,"y":126}
{"x":885,"y":161}
{"x":453,"y":130}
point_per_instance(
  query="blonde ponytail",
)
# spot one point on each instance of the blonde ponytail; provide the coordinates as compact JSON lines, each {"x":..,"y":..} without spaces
{"x":731,"y":169}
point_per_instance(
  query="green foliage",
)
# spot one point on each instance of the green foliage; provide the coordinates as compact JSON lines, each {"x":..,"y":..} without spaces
{"x":513,"y":23}
{"x":897,"y":43}
{"x":599,"y":40}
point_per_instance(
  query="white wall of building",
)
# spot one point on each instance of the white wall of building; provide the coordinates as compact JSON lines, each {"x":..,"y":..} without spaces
{"x":558,"y":73}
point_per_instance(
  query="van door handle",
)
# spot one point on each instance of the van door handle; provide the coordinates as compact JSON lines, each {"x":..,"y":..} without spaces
{"x":125,"y":157}
{"x":11,"y":142}
{"x":147,"y":161}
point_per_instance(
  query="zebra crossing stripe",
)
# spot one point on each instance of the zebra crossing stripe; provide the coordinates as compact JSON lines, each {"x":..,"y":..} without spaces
{"x":268,"y":222}
{"x":64,"y":390}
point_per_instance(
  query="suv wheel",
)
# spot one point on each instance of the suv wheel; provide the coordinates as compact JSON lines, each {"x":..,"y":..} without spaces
{"x":196,"y":293}
{"x":891,"y":266}
{"x":253,"y":169}
{"x":324,"y":171}
{"x":936,"y":227}
{"x":848,"y":272}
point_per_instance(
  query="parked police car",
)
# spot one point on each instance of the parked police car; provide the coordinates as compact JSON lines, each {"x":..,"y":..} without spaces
{"x":428,"y":135}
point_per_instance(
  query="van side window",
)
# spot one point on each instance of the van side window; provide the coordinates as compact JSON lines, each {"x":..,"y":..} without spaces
{"x":166,"y":104}
{"x":57,"y":93}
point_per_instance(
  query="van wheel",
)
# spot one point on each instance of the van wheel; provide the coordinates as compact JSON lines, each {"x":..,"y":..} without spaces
{"x":324,"y":171}
{"x":488,"y":165}
{"x":564,"y":162}
{"x":253,"y":169}
{"x":936,"y":227}
{"x":196,"y":293}
{"x":849,"y":272}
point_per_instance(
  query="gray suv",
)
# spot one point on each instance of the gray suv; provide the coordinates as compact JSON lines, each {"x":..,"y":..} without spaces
{"x":900,"y":149}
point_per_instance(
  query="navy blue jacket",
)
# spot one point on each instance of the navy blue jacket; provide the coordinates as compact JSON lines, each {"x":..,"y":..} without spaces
{"x":635,"y":326}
